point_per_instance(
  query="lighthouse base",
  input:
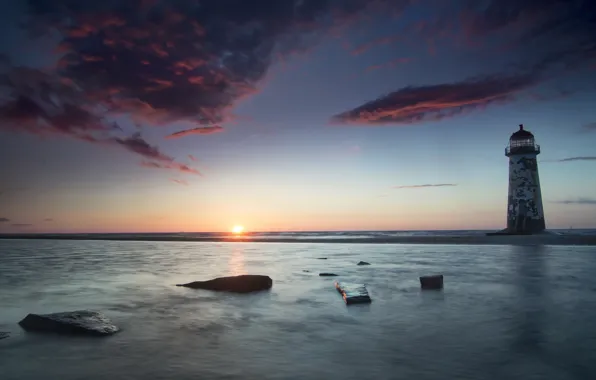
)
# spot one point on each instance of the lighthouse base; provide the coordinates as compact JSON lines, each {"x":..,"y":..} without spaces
{"x":509,"y":232}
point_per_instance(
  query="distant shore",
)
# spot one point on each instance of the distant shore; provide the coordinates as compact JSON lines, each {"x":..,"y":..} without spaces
{"x":545,"y":239}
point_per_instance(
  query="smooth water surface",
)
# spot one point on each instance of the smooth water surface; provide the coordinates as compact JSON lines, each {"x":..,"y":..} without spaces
{"x":525,"y":312}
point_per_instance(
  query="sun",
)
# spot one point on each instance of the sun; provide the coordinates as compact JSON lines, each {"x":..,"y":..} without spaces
{"x":238,"y":229}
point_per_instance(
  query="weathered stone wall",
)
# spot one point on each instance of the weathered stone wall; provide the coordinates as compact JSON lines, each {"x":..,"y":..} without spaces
{"x":524,"y":210}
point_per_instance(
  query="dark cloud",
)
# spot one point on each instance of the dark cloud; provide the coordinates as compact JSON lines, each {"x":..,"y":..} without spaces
{"x":182,"y":60}
{"x":387,"y":40}
{"x":578,"y":201}
{"x":543,"y":32}
{"x":590,"y":127}
{"x":4,"y":220}
{"x":390,"y":64}
{"x":48,"y":220}
{"x":196,"y":131}
{"x":192,"y":158}
{"x":545,"y":39}
{"x":426,"y":185}
{"x":418,"y":104}
{"x":22,"y":225}
{"x":138,"y":145}
{"x":581,"y":158}
{"x":40,"y":103}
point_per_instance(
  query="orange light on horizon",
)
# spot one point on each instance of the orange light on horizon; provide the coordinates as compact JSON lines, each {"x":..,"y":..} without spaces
{"x":238,"y":229}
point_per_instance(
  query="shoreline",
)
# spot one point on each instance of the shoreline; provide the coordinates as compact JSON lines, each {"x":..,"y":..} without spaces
{"x":584,"y":240}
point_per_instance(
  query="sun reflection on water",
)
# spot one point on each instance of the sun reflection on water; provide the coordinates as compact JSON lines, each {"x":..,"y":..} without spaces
{"x":236,"y":262}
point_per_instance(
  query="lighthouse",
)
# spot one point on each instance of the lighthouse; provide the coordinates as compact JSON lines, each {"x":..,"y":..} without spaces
{"x":525,"y":214}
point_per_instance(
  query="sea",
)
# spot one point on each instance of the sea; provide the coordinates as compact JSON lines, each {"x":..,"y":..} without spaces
{"x":506,"y":312}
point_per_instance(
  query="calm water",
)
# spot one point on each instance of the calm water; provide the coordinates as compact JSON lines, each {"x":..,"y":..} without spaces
{"x":505,"y":313}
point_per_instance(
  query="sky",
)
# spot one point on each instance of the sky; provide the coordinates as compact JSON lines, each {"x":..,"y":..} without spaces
{"x":199,"y":115}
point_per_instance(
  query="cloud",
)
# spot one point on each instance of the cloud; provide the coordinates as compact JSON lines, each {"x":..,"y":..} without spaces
{"x":192,"y":158}
{"x":578,"y":201}
{"x":390,"y":64}
{"x":157,"y":159}
{"x":426,"y":185}
{"x":4,"y":220}
{"x":590,"y":126}
{"x":581,"y":158}
{"x":434,"y":102}
{"x":543,"y":32}
{"x":180,"y":182}
{"x":48,"y":220}
{"x":138,"y":145}
{"x":546,"y":39}
{"x":36,"y":102}
{"x":387,"y":40}
{"x":167,"y":61}
{"x":196,"y":131}
{"x":171,"y":165}
{"x":22,"y":225}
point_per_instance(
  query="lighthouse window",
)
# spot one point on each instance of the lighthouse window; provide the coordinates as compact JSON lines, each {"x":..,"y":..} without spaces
{"x":520,"y":143}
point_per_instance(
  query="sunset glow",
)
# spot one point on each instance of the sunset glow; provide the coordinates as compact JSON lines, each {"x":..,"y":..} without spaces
{"x":138,"y":119}
{"x":238,"y":229}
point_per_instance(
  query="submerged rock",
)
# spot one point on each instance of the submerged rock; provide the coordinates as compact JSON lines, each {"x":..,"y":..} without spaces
{"x":237,"y":284}
{"x":322,"y":258}
{"x":432,"y":282}
{"x":363,"y":263}
{"x":328,"y":274}
{"x":353,"y":293}
{"x":3,"y":335}
{"x":80,"y":322}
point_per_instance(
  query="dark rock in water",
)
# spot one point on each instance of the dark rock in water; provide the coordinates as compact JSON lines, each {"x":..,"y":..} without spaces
{"x":81,"y":322}
{"x":353,"y":293}
{"x":306,"y":271}
{"x":328,"y":274}
{"x":236,"y":284}
{"x":431,"y":282}
{"x":322,"y":258}
{"x":3,"y":335}
{"x":363,"y":263}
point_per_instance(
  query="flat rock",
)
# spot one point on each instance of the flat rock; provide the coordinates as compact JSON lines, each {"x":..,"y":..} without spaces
{"x":353,"y":293}
{"x":3,"y":335}
{"x":328,"y":274}
{"x":432,"y":282}
{"x":80,"y":322}
{"x":363,"y":263}
{"x":236,"y":284}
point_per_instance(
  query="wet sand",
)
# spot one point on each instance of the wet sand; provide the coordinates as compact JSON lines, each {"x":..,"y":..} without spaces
{"x":545,"y":239}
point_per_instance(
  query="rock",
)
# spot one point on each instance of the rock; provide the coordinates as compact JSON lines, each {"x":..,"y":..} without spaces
{"x":353,"y":293}
{"x":363,"y":263}
{"x":80,"y":322}
{"x":322,"y":258}
{"x":431,"y":282}
{"x":3,"y":335}
{"x":306,"y":271}
{"x":328,"y":274}
{"x":236,"y":284}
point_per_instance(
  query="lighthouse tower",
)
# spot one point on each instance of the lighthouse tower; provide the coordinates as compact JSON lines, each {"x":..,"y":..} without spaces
{"x":525,"y":214}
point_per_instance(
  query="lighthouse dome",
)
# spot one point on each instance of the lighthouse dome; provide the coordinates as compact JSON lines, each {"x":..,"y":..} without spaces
{"x":522,"y":134}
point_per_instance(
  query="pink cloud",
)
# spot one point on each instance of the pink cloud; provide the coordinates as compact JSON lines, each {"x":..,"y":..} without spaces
{"x":430,"y":103}
{"x":196,"y":131}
